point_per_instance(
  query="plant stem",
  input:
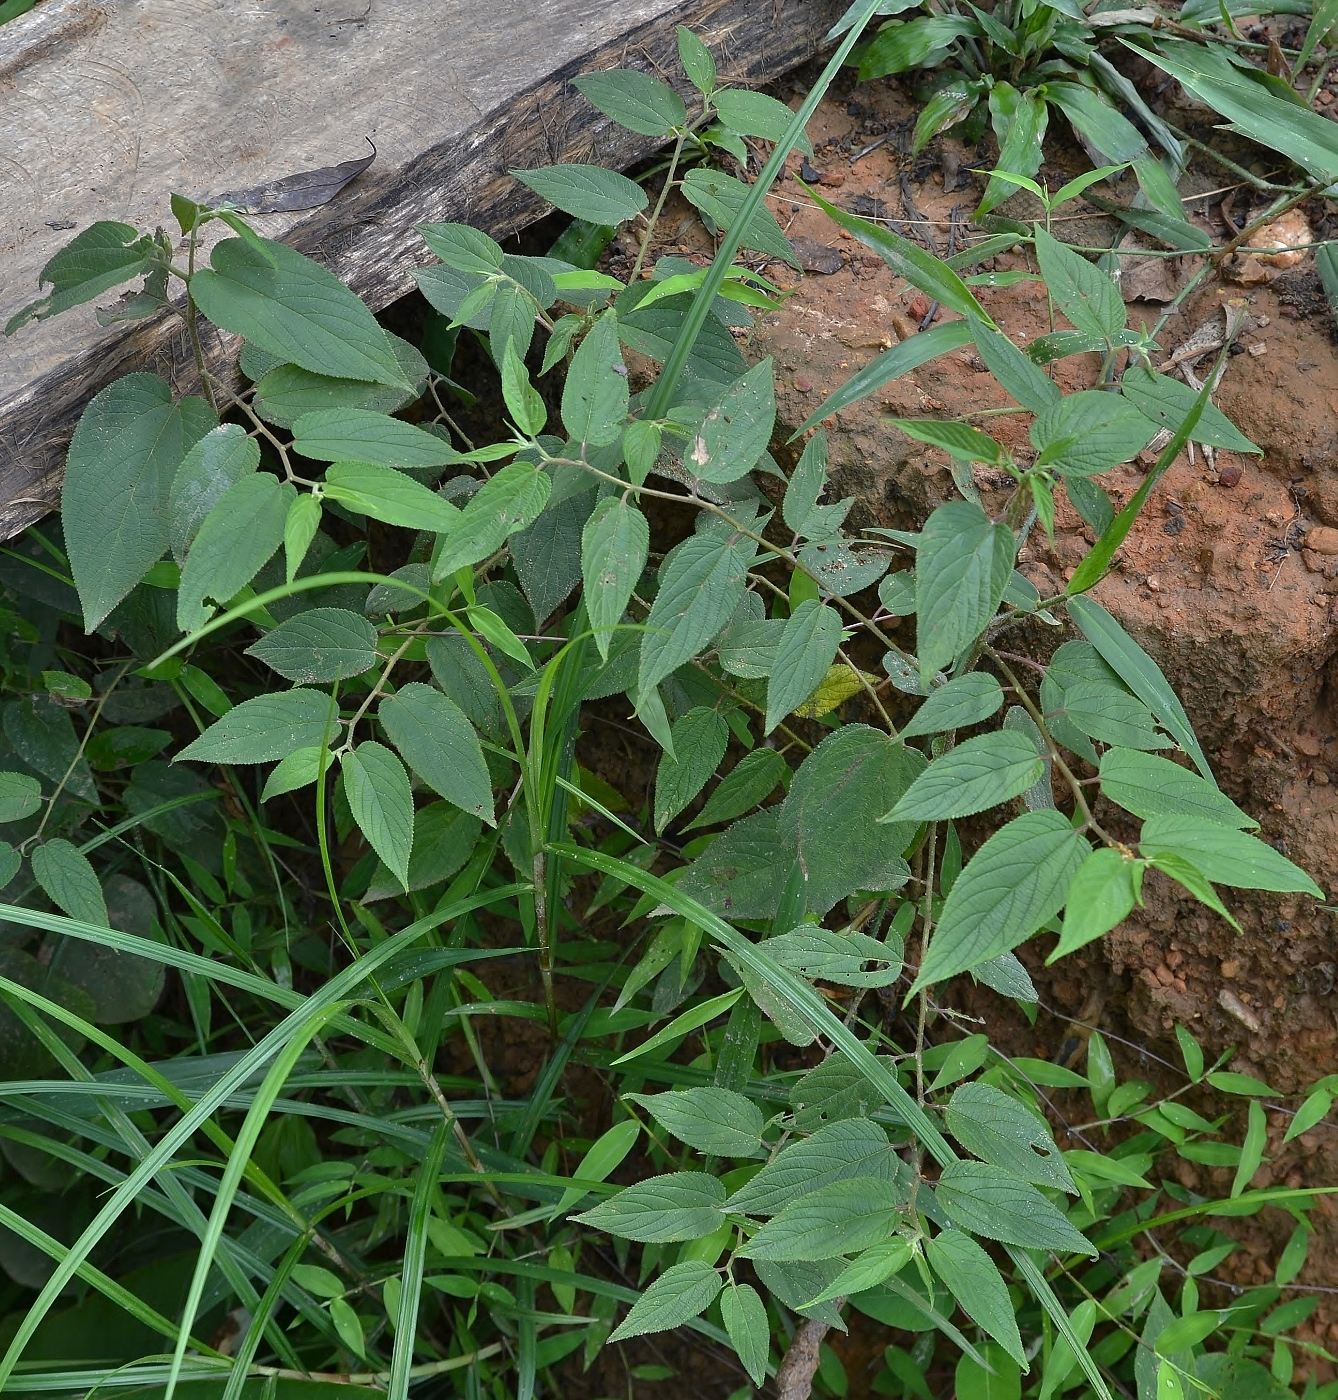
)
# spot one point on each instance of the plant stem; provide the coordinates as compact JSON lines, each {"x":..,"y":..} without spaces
{"x":659,"y":207}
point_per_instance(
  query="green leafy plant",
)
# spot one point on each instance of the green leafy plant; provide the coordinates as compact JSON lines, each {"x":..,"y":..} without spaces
{"x":343,"y":655}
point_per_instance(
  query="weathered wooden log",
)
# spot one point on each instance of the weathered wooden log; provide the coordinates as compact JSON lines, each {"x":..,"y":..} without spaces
{"x":109,"y":106}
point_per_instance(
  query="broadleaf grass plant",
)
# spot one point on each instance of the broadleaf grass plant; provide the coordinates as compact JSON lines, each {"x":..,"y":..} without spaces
{"x":312,"y":1174}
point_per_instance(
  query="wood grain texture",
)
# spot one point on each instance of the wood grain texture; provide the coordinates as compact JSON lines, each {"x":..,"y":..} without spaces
{"x":108,"y":106}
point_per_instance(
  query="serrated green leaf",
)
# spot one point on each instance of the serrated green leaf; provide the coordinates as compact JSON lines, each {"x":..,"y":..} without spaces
{"x":635,"y":100}
{"x":295,"y":770}
{"x":381,"y":801}
{"x":523,"y":401}
{"x":118,"y":475}
{"x":661,"y":1209}
{"x":69,"y":881}
{"x":827,"y":955}
{"x":1167,"y":402}
{"x":993,"y":1203}
{"x":285,"y":392}
{"x":1150,"y":786}
{"x":21,"y":796}
{"x":1101,"y":896}
{"x":721,"y":198}
{"x":235,"y":541}
{"x":975,"y":1282}
{"x":680,"y":1293}
{"x":753,"y":779}
{"x":1084,"y":293}
{"x":299,"y":530}
{"x":215,"y":464}
{"x":296,"y":310}
{"x":439,"y":744}
{"x":804,"y":654}
{"x":505,"y":504}
{"x":388,"y":495}
{"x":595,"y":396}
{"x":1109,"y":714}
{"x":102,"y":256}
{"x":1089,"y":432}
{"x":363,"y":435}
{"x":700,"y":584}
{"x":700,"y":738}
{"x":322,"y":644}
{"x":830,"y":817}
{"x":587,"y":192}
{"x":963,"y":701}
{"x":975,"y":775}
{"x":1003,"y":1132}
{"x":1224,"y":855}
{"x":841,"y":1218}
{"x":265,"y":728}
{"x":1017,"y":880}
{"x":718,"y":1121}
{"x":958,"y":440}
{"x":745,"y":1318}
{"x":757,"y":114}
{"x":735,"y":432}
{"x":696,"y":59}
{"x":854,"y":1147}
{"x":962,"y":567}
{"x":614,"y":547}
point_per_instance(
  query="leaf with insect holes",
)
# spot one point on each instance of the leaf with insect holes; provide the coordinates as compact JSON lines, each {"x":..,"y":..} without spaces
{"x":439,"y":744}
{"x":709,"y":1119}
{"x":320,"y":645}
{"x":1089,"y":432}
{"x":216,"y":463}
{"x":988,"y":1201}
{"x":127,"y":448}
{"x":679,"y":1294}
{"x":363,"y":435}
{"x":235,"y":541}
{"x":963,"y":565}
{"x":1017,"y":880}
{"x":292,"y":307}
{"x":700,"y":738}
{"x":595,"y":395}
{"x":265,"y":728}
{"x":661,"y":1209}
{"x":804,"y":654}
{"x":382,"y":493}
{"x":381,"y":801}
{"x":69,"y":881}
{"x":720,"y":198}
{"x":587,"y":192}
{"x":635,"y":100}
{"x":828,"y":955}
{"x":975,"y":1282}
{"x":959,"y":703}
{"x":1085,"y":294}
{"x":1002,"y":1131}
{"x":101,"y":257}
{"x":975,"y":775}
{"x":735,"y":433}
{"x":841,"y":1218}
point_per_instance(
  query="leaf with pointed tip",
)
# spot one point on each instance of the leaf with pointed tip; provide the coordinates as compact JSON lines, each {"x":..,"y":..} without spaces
{"x":804,"y":654}
{"x":320,"y":645}
{"x":127,"y":448}
{"x":439,"y":744}
{"x":614,"y":546}
{"x":265,"y":728}
{"x":217,"y":462}
{"x":997,"y":1205}
{"x":381,"y":801}
{"x":69,"y":881}
{"x":681,"y":1292}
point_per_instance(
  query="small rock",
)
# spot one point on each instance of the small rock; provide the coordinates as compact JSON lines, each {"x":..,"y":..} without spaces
{"x":1229,"y":474}
{"x":1230,"y":969}
{"x":1308,"y":744}
{"x":834,"y":178}
{"x":803,"y":383}
{"x":1323,"y":539}
{"x":918,"y":307}
{"x":810,"y":174}
{"x":816,"y":257}
{"x":1153,"y":583}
